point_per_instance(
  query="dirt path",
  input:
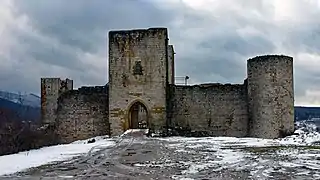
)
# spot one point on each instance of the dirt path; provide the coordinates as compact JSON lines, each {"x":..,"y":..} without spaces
{"x":110,"y":163}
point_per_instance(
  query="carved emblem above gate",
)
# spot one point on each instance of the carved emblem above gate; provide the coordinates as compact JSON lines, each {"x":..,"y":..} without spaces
{"x":137,"y":68}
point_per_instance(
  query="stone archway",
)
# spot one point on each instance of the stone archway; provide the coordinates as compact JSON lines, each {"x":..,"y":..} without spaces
{"x":138,"y":116}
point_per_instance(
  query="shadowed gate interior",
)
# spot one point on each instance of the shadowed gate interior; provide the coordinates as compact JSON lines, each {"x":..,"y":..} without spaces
{"x":138,"y":116}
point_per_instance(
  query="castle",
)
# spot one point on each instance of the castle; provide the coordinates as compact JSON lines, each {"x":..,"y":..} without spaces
{"x":141,"y":93}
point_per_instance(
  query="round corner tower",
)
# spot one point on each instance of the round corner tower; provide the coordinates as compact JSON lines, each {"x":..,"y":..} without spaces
{"x":270,"y":96}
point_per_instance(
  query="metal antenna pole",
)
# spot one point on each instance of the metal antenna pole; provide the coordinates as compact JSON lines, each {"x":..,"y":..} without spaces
{"x":186,"y":80}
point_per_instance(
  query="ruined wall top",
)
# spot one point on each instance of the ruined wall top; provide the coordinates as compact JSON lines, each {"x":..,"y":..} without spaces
{"x":264,"y":58}
{"x":121,"y":36}
{"x":126,"y":33}
{"x":212,"y":85}
{"x":93,"y":89}
{"x":55,"y":79}
{"x":86,"y":90}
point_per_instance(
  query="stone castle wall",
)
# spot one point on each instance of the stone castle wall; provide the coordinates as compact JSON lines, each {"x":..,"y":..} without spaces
{"x":82,"y":114}
{"x":141,"y":69}
{"x":262,"y":107}
{"x":211,"y":109}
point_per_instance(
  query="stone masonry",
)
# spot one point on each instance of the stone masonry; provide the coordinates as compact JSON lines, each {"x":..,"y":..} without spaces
{"x":138,"y":64}
{"x":82,"y":114}
{"x":51,"y":89}
{"x":141,"y":70}
{"x":210,"y":109}
{"x":271,"y":102}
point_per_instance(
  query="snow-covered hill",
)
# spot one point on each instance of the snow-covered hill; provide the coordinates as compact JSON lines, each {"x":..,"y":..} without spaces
{"x":24,"y":99}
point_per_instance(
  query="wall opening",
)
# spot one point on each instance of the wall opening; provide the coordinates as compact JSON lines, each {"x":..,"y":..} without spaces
{"x":138,"y":116}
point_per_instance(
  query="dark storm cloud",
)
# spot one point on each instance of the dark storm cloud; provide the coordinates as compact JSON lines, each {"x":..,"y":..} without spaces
{"x":225,"y":57}
{"x":68,"y":38}
{"x":63,"y":31}
{"x":49,"y":53}
{"x":84,"y":24}
{"x":221,"y":55}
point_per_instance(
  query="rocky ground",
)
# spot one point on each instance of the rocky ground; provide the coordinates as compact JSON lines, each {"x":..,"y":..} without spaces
{"x":135,"y":156}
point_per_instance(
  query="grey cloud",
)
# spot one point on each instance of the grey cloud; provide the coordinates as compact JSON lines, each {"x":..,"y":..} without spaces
{"x":304,"y":39}
{"x":209,"y":47}
{"x":84,"y":24}
{"x":305,"y":79}
{"x":222,"y":57}
{"x":49,"y":53}
{"x":75,"y":28}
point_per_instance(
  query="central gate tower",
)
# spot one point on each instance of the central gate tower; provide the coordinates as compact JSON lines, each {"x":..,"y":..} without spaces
{"x":139,"y":65}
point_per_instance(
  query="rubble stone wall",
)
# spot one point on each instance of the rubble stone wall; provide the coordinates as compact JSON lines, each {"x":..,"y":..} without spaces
{"x":82,"y":114}
{"x":212,"y":109}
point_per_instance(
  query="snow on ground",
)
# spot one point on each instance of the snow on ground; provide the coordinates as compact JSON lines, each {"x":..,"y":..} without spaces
{"x":132,"y":131}
{"x":306,"y":134}
{"x":24,"y":160}
{"x":297,"y":155}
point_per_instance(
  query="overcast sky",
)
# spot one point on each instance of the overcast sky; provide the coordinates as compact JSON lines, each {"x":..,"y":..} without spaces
{"x":212,"y":38}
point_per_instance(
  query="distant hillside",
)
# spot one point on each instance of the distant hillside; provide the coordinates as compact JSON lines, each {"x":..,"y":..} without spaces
{"x":305,"y":113}
{"x":24,"y":99}
{"x":9,"y":109}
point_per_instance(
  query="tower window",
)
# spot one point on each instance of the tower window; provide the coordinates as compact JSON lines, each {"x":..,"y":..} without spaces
{"x":137,"y":68}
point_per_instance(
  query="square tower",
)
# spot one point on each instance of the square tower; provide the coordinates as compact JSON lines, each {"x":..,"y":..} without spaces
{"x":51,"y":89}
{"x":138,"y":74}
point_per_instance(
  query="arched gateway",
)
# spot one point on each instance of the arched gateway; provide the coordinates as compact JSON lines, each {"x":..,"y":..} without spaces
{"x":138,"y":116}
{"x":140,"y":68}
